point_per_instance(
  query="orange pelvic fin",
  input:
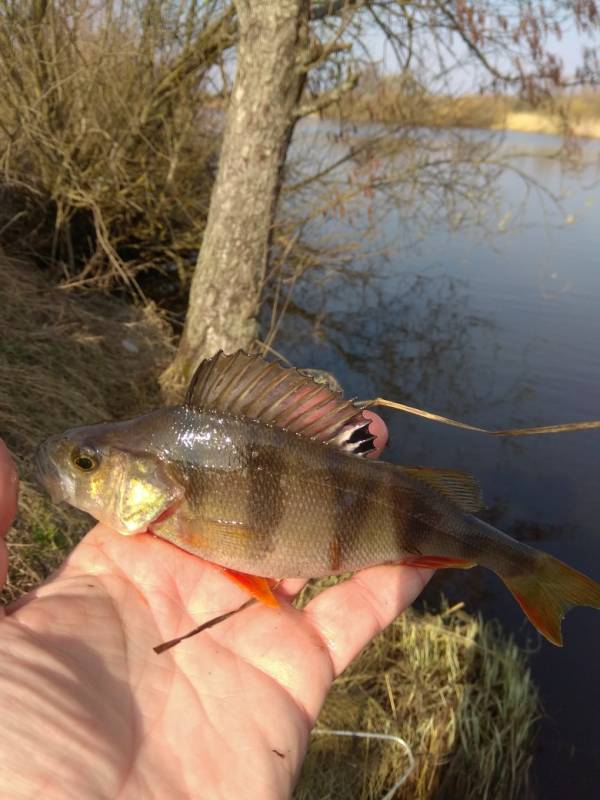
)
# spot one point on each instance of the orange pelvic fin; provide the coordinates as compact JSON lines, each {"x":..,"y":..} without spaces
{"x":438,"y":562}
{"x":548,"y":591}
{"x":257,"y":587}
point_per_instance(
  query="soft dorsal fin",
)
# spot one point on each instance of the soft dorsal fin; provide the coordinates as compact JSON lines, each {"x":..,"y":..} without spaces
{"x":457,"y":486}
{"x":249,"y":386}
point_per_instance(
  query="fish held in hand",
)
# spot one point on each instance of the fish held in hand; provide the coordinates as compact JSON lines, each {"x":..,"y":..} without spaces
{"x":263,"y":472}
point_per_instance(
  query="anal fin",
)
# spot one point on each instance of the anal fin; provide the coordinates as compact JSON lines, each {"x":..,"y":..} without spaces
{"x":438,"y":562}
{"x":257,"y":587}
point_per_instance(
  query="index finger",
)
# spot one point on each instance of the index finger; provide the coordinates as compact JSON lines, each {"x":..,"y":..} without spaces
{"x":8,"y":489}
{"x":379,"y":430}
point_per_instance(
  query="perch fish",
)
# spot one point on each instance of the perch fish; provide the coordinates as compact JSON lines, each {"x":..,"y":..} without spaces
{"x":262,"y":471}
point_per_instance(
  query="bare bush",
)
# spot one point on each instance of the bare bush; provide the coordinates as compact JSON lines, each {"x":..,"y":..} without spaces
{"x":107,"y":134}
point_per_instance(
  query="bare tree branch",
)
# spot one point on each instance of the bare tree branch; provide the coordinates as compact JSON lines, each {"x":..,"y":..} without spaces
{"x":324,"y":100}
{"x":331,"y":8}
{"x":473,"y":48}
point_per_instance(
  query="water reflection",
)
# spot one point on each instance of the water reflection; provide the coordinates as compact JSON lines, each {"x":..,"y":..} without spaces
{"x":399,"y":338}
{"x":499,"y":333}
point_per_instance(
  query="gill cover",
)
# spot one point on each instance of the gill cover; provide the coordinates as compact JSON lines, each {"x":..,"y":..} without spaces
{"x":141,"y":492}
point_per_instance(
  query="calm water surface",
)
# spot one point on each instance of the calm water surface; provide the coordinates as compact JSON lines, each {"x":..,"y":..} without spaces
{"x":500,"y":331}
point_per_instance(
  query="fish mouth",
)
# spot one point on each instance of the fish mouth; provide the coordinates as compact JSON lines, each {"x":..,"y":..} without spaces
{"x":46,"y":472}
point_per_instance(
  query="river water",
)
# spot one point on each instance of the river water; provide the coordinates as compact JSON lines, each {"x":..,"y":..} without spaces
{"x":500,"y":329}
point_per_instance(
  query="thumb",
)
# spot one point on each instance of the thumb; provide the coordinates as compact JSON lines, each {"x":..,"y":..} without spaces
{"x":8,"y":503}
{"x":8,"y":489}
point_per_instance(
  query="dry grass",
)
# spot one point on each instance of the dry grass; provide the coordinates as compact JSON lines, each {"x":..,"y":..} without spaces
{"x":457,"y":692}
{"x":534,"y":122}
{"x":64,"y":360}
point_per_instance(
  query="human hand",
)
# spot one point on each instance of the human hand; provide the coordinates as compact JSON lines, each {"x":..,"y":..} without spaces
{"x":379,"y":429}
{"x":8,"y":505}
{"x":89,"y":710}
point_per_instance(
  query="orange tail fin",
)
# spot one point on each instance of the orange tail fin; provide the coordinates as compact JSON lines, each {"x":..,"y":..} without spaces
{"x":548,"y":591}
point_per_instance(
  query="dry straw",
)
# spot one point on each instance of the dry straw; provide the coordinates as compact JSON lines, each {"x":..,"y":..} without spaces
{"x":455,"y":690}
{"x":565,"y":427}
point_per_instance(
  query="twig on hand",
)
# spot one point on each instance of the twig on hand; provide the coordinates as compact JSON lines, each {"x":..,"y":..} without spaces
{"x":161,"y":648}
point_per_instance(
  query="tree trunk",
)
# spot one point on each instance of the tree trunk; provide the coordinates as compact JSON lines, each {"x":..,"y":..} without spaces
{"x":226,"y":286}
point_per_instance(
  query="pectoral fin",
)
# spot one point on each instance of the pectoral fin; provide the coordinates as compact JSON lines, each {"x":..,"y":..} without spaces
{"x":257,"y":587}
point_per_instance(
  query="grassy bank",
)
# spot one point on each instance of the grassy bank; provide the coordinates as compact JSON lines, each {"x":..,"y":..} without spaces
{"x":456,"y":689}
{"x":64,"y":360}
{"x":535,"y":122}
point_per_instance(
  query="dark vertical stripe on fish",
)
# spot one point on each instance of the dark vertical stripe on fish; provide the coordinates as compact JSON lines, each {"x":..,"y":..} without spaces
{"x":351,"y":515}
{"x":266,"y":467}
{"x":406,"y":509}
{"x":335,"y":553}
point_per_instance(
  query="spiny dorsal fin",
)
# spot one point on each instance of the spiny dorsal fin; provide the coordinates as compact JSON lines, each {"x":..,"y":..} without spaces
{"x":457,"y":486}
{"x":248,"y":386}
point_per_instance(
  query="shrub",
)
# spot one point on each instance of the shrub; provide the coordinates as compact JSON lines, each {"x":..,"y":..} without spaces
{"x":107,"y":135}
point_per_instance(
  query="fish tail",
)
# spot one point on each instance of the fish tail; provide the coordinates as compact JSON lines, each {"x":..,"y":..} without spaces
{"x":548,"y":590}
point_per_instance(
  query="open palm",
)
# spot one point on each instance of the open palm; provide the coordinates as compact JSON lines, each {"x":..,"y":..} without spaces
{"x":90,"y":710}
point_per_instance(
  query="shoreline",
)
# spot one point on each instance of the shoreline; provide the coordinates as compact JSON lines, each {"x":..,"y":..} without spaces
{"x":579,"y":117}
{"x":532,"y":122}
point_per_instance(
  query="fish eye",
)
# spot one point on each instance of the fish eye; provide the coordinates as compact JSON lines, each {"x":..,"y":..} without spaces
{"x":84,"y":460}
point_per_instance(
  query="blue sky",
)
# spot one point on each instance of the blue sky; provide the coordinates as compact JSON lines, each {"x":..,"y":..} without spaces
{"x":568,"y":48}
